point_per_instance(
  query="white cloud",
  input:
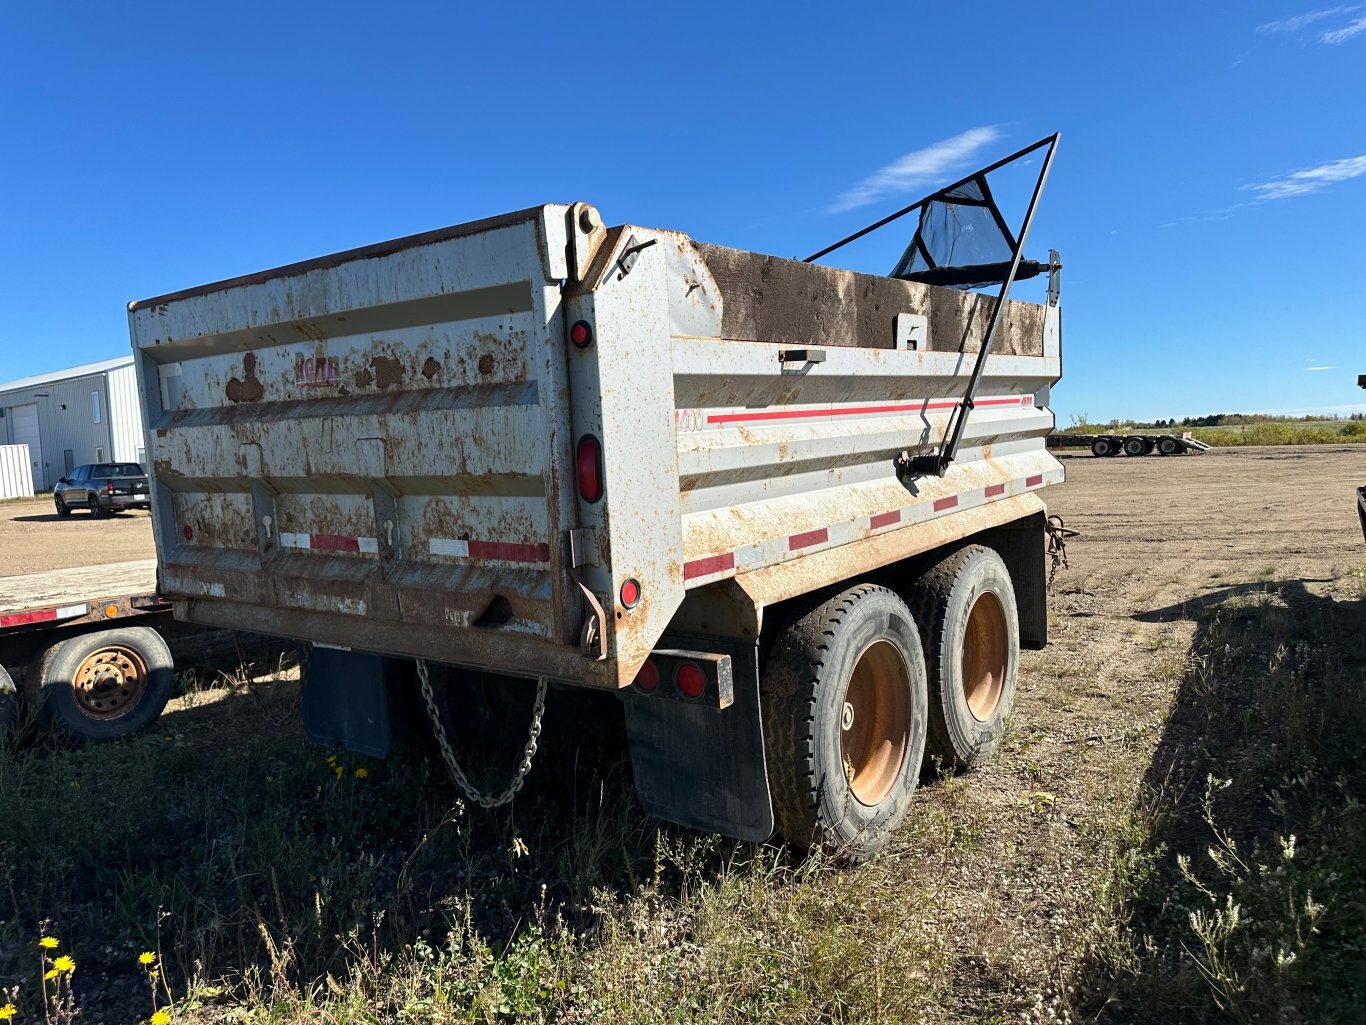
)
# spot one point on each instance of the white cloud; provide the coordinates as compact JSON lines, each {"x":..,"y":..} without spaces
{"x":923,"y":167}
{"x":1300,"y":21}
{"x":1307,"y":369}
{"x":1341,"y":35}
{"x":1310,"y":179}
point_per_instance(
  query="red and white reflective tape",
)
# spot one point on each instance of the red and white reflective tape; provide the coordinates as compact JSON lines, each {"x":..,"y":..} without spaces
{"x":493,"y":551}
{"x":330,"y":543}
{"x":924,"y":406}
{"x":43,"y":615}
{"x":767,"y":553}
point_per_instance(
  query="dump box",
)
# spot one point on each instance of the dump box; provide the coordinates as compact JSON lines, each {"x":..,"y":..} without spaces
{"x":538,"y":446}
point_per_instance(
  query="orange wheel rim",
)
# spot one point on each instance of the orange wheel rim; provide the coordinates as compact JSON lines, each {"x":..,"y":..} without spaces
{"x":110,"y":682}
{"x":985,"y":656}
{"x":875,"y":726}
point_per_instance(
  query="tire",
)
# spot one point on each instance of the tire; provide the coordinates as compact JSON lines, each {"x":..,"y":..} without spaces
{"x":102,"y":686}
{"x":95,"y":511}
{"x":1168,"y":446}
{"x":1134,"y":446}
{"x":1116,"y":446}
{"x":62,"y":508}
{"x":1101,"y":447}
{"x":841,"y":780}
{"x":9,"y":708}
{"x":969,"y":625}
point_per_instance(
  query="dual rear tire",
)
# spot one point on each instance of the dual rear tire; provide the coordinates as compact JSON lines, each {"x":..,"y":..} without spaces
{"x":859,"y":690}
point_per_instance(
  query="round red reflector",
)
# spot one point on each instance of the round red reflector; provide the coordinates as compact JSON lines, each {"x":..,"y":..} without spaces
{"x":188,"y":532}
{"x":590,"y":468}
{"x":648,"y":677}
{"x":691,"y":680}
{"x":630,"y":593}
{"x":581,"y":334}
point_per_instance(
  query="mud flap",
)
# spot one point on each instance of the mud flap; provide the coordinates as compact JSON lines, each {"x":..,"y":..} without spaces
{"x":344,"y":701}
{"x":699,"y":765}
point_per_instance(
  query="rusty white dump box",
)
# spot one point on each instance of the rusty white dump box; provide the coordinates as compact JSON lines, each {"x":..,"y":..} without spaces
{"x":403,"y":449}
{"x":543,"y":447}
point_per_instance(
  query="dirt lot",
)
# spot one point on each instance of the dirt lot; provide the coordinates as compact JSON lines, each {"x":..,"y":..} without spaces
{"x":1207,"y":595}
{"x":33,"y":538}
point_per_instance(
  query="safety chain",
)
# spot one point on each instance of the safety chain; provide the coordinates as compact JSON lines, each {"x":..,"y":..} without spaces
{"x":457,"y":773}
{"x":1057,"y":545}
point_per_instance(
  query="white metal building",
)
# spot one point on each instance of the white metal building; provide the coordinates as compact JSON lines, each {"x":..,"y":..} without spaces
{"x":86,"y":414}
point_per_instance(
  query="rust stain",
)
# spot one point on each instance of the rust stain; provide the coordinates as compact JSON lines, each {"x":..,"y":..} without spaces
{"x":246,"y":388}
{"x":430,"y":368}
{"x":163,"y":468}
{"x":388,"y":372}
{"x":364,"y":378}
{"x":486,"y":363}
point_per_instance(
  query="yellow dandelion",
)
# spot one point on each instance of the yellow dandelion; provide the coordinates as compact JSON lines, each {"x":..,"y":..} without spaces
{"x":362,"y":772}
{"x":7,"y":1012}
{"x":340,"y":772}
{"x":64,"y":965}
{"x":147,"y":958}
{"x":162,"y":1017}
{"x":48,"y":943}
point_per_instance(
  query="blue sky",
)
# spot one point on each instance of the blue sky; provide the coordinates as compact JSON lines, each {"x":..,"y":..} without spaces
{"x":1209,"y":196}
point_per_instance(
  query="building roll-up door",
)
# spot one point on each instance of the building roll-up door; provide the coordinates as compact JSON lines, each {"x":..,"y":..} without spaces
{"x":25,"y":428}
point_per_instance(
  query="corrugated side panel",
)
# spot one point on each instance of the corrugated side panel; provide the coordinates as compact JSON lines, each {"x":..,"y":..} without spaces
{"x":126,"y":429}
{"x":780,"y":461}
{"x":16,"y":473}
{"x":365,"y":451}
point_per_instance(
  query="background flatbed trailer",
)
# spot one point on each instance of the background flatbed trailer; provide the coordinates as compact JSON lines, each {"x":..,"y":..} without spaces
{"x":87,"y":644}
{"x":1130,"y":444}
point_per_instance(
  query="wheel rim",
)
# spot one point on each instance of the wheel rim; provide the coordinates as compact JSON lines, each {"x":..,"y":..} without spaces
{"x":875,"y":728}
{"x":985,"y":656}
{"x":94,"y":504}
{"x":110,"y":682}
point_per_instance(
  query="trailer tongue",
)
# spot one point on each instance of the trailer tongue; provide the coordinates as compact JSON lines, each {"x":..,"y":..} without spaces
{"x":535,"y":448}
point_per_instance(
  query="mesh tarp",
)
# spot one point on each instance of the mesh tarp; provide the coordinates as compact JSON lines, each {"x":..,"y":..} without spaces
{"x":962,"y":240}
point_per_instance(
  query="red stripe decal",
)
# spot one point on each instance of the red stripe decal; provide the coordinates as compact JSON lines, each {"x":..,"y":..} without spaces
{"x":333,"y":543}
{"x":940,"y":504}
{"x":794,"y":414}
{"x":995,"y":489}
{"x":20,"y":618}
{"x":1036,"y":479}
{"x":506,"y":552}
{"x":706,"y":567}
{"x":885,"y":519}
{"x":807,"y":539}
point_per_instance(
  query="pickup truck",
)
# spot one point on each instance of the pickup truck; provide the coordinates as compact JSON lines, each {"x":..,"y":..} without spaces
{"x":102,"y":488}
{"x":788,"y":514}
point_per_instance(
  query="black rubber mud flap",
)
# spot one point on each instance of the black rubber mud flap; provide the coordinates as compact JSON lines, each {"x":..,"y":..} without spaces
{"x":699,"y":765}
{"x":344,"y":701}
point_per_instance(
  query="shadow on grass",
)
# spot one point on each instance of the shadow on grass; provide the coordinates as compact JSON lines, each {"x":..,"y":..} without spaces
{"x":224,"y":840}
{"x":1241,"y":895}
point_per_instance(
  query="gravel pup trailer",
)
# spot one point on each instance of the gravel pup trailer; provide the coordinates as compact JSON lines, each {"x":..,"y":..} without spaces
{"x":94,"y":668}
{"x":1130,"y":444}
{"x":742,"y":493}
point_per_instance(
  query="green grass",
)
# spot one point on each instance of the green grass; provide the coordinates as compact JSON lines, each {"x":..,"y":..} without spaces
{"x":279,"y":886}
{"x":1241,"y":895}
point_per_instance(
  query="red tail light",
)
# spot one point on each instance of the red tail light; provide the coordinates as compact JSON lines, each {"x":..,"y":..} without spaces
{"x":590,"y":468}
{"x":630,"y":593}
{"x":109,"y":489}
{"x":648,"y":677}
{"x":690,"y":679}
{"x":581,"y":334}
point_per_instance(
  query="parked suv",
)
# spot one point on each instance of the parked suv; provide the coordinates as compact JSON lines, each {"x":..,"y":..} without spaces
{"x":103,"y":488}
